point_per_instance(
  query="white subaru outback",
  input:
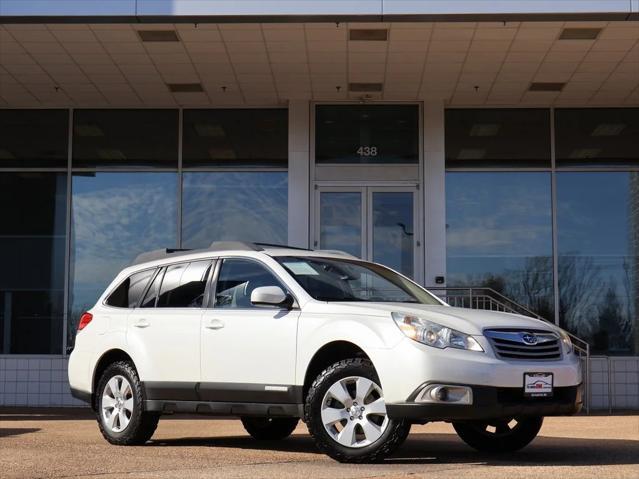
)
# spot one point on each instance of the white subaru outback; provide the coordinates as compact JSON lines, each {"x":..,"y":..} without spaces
{"x":274,"y":334}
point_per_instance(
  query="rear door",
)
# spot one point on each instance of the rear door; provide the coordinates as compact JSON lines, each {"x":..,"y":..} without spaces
{"x":165,"y":330}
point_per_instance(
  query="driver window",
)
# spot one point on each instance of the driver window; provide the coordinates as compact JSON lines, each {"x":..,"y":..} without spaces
{"x":237,"y":280}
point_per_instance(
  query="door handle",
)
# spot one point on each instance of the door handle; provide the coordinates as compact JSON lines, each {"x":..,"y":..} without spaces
{"x":215,"y":324}
{"x":142,"y":323}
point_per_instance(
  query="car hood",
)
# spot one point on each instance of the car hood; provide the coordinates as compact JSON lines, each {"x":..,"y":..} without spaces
{"x":469,"y":321}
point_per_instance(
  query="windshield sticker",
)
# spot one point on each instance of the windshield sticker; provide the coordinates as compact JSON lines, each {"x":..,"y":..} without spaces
{"x":301,"y":268}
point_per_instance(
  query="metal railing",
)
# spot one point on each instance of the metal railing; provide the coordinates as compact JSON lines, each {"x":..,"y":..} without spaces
{"x":489,"y":299}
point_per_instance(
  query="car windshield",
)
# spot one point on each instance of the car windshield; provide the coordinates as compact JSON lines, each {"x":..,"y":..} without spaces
{"x":331,"y":279}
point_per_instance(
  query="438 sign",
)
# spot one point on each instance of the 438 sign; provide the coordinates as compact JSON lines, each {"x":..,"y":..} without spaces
{"x":367,"y":151}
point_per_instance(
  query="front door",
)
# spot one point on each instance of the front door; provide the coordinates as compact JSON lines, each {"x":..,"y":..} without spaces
{"x":373,"y":223}
{"x":248,"y":352}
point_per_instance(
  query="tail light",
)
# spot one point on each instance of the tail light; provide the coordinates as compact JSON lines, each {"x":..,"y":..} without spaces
{"x":85,"y":319}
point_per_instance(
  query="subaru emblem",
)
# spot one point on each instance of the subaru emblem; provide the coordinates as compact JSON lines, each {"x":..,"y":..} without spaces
{"x":529,"y":338}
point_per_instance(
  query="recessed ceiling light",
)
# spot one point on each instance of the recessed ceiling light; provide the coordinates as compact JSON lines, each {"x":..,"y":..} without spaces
{"x":584,"y":153}
{"x":580,"y":33}
{"x":185,"y":87}
{"x":368,"y":35}
{"x":6,"y":155}
{"x":608,"y":129}
{"x":485,"y":129}
{"x":158,"y":36}
{"x":88,"y":130}
{"x":546,"y":86}
{"x":111,"y":154}
{"x":209,"y":131}
{"x":365,"y":87}
{"x":471,"y":154}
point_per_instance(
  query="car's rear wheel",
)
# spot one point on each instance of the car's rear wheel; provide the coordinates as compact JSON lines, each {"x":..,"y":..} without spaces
{"x":345,"y":412}
{"x":269,"y":428}
{"x":120,"y":406}
{"x":499,"y":435}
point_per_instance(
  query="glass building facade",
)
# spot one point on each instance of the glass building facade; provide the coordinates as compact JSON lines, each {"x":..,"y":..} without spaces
{"x":542,"y":205}
{"x":550,"y":224}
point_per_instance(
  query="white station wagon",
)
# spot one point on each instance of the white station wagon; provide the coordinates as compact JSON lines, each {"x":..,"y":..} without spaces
{"x":275,"y":334}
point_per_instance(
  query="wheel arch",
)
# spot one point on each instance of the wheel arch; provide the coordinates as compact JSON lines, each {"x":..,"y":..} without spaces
{"x":328,"y":354}
{"x":109,"y":357}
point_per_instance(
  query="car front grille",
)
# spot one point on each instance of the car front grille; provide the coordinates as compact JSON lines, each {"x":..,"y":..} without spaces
{"x":530,"y":345}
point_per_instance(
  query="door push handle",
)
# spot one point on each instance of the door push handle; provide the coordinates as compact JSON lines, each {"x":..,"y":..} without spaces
{"x":215,"y":324}
{"x":142,"y":323}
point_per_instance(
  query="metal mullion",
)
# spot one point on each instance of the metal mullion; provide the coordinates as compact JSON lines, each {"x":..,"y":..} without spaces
{"x":553,"y":202}
{"x":68,"y":225}
{"x":180,"y":180}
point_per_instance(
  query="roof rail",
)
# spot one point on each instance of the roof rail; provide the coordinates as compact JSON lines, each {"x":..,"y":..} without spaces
{"x":336,"y":251}
{"x":157,"y":254}
{"x":234,"y":245}
{"x":285,"y":246}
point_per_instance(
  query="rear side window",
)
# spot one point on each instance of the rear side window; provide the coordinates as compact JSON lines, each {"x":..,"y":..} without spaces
{"x":128,"y":293}
{"x":183,"y":285}
{"x":152,"y":293}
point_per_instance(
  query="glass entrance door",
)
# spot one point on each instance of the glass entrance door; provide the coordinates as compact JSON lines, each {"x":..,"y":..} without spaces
{"x":373,"y":223}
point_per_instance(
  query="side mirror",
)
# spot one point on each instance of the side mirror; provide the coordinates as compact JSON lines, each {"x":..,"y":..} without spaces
{"x":270,"y":296}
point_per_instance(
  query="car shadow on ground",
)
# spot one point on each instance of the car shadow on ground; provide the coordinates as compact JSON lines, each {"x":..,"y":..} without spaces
{"x":448,"y":449}
{"x":6,"y":432}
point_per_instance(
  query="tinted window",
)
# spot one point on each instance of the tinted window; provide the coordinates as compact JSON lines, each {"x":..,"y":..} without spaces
{"x":32,"y":255}
{"x":115,"y":217}
{"x":33,"y":138}
{"x":497,"y":137}
{"x":151,"y":295}
{"x":598,"y":264}
{"x":125,"y":138}
{"x":367,"y":134}
{"x":183,"y":285}
{"x":236,"y":137}
{"x":130,"y":290}
{"x":597,"y":136}
{"x":234,"y":206}
{"x":499,"y":235}
{"x":237,"y":280}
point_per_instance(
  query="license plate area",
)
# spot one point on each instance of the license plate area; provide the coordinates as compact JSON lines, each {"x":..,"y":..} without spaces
{"x":538,"y":384}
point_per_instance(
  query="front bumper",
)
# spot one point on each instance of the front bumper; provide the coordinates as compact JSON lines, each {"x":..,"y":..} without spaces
{"x":493,"y":403}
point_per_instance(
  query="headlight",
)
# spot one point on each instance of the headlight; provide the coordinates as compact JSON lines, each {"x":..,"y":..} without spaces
{"x":565,"y":341}
{"x":433,"y":334}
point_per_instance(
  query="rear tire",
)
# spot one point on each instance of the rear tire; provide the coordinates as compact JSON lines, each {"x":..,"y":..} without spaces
{"x":504,"y":435}
{"x":269,"y":428}
{"x":119,"y":405}
{"x":346,"y":414}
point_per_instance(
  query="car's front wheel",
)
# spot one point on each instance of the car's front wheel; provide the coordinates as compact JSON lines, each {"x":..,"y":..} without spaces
{"x":120,"y":406}
{"x":345,"y":412}
{"x":269,"y":428}
{"x":499,"y":435}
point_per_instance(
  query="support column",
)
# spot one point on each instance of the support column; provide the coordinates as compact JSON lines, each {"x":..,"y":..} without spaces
{"x":434,"y":193}
{"x":298,"y":173}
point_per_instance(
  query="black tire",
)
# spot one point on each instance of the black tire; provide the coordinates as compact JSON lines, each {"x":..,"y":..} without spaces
{"x":142,"y":424}
{"x":393,"y":436}
{"x":270,"y":428}
{"x":504,"y":438}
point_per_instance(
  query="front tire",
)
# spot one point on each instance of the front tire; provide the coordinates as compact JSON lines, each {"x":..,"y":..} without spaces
{"x":504,"y":435}
{"x":269,"y":428}
{"x":346,"y":415}
{"x":120,"y":407}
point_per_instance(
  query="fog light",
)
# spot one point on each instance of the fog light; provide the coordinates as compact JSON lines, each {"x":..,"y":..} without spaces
{"x":445,"y":394}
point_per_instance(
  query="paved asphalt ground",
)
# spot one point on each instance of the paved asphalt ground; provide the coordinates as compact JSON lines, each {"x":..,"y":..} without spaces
{"x":66,"y":443}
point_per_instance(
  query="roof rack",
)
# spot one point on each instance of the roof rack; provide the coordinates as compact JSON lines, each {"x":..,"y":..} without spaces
{"x":219,"y":246}
{"x":157,"y":254}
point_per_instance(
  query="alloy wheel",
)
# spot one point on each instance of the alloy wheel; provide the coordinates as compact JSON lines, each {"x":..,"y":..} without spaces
{"x":354,"y":412}
{"x":117,"y":403}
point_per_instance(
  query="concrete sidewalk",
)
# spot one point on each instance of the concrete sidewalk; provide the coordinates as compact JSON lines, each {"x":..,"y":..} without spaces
{"x":66,"y":443}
